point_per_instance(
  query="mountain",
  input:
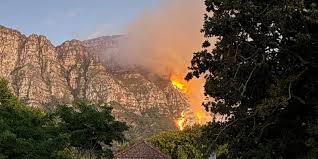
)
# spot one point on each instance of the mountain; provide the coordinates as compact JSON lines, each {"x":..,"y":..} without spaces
{"x":43,"y":75}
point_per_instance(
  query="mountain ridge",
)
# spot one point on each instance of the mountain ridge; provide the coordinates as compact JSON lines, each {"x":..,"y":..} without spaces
{"x":42,"y":75}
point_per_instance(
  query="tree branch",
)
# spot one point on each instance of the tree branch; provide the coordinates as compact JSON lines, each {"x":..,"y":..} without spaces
{"x":249,"y":77}
{"x":299,"y":99}
{"x":230,"y":124}
{"x":289,"y":91}
{"x":237,"y":71}
{"x":262,"y":130}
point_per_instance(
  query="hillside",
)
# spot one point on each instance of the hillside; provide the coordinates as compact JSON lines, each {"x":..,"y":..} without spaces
{"x":42,"y":75}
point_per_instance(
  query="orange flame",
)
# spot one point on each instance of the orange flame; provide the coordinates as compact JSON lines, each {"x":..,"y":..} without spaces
{"x":181,"y":86}
{"x":200,"y":117}
{"x":181,"y":121}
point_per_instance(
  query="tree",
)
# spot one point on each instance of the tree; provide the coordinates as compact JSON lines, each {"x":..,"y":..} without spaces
{"x":25,"y":132}
{"x":181,"y":144}
{"x":262,"y":76}
{"x":91,"y":127}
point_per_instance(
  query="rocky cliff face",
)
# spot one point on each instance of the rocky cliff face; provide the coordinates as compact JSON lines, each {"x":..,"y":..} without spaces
{"x":41,"y":74}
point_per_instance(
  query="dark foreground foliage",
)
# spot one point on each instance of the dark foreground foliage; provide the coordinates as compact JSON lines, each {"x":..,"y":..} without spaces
{"x":25,"y":132}
{"x":91,"y":128}
{"x":262,"y":75}
{"x":29,"y":133}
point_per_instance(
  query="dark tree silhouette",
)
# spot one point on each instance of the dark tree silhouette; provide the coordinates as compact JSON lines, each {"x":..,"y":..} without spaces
{"x":262,"y":75}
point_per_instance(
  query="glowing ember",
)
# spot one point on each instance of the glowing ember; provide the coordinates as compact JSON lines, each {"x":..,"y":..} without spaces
{"x":199,"y":117}
{"x":179,"y":85}
{"x":181,"y":121}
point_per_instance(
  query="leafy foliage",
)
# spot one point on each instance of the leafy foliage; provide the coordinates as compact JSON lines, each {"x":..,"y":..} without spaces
{"x":26,"y":132}
{"x":262,"y":76}
{"x":91,"y":128}
{"x":180,"y":144}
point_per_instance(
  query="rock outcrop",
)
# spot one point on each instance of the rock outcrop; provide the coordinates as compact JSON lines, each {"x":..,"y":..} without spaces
{"x":41,"y":74}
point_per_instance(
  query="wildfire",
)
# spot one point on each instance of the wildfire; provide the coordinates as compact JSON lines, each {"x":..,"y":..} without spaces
{"x":199,"y":115}
{"x":196,"y":116}
{"x":181,"y":86}
{"x":181,"y":121}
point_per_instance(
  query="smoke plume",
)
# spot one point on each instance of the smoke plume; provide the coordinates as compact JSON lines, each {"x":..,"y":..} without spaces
{"x":164,"y":40}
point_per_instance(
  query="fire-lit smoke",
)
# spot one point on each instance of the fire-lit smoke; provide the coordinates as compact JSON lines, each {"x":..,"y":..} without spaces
{"x":164,"y":40}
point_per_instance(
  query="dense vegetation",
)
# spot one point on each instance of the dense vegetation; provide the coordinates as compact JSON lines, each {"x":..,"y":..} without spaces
{"x":262,"y":75}
{"x":80,"y":129}
{"x":26,"y":132}
{"x":193,"y":142}
{"x":181,"y":144}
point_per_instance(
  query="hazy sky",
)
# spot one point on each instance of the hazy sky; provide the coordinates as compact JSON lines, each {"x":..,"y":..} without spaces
{"x":62,"y":20}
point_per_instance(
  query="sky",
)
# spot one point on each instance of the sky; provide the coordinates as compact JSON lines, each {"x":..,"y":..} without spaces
{"x":62,"y":20}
